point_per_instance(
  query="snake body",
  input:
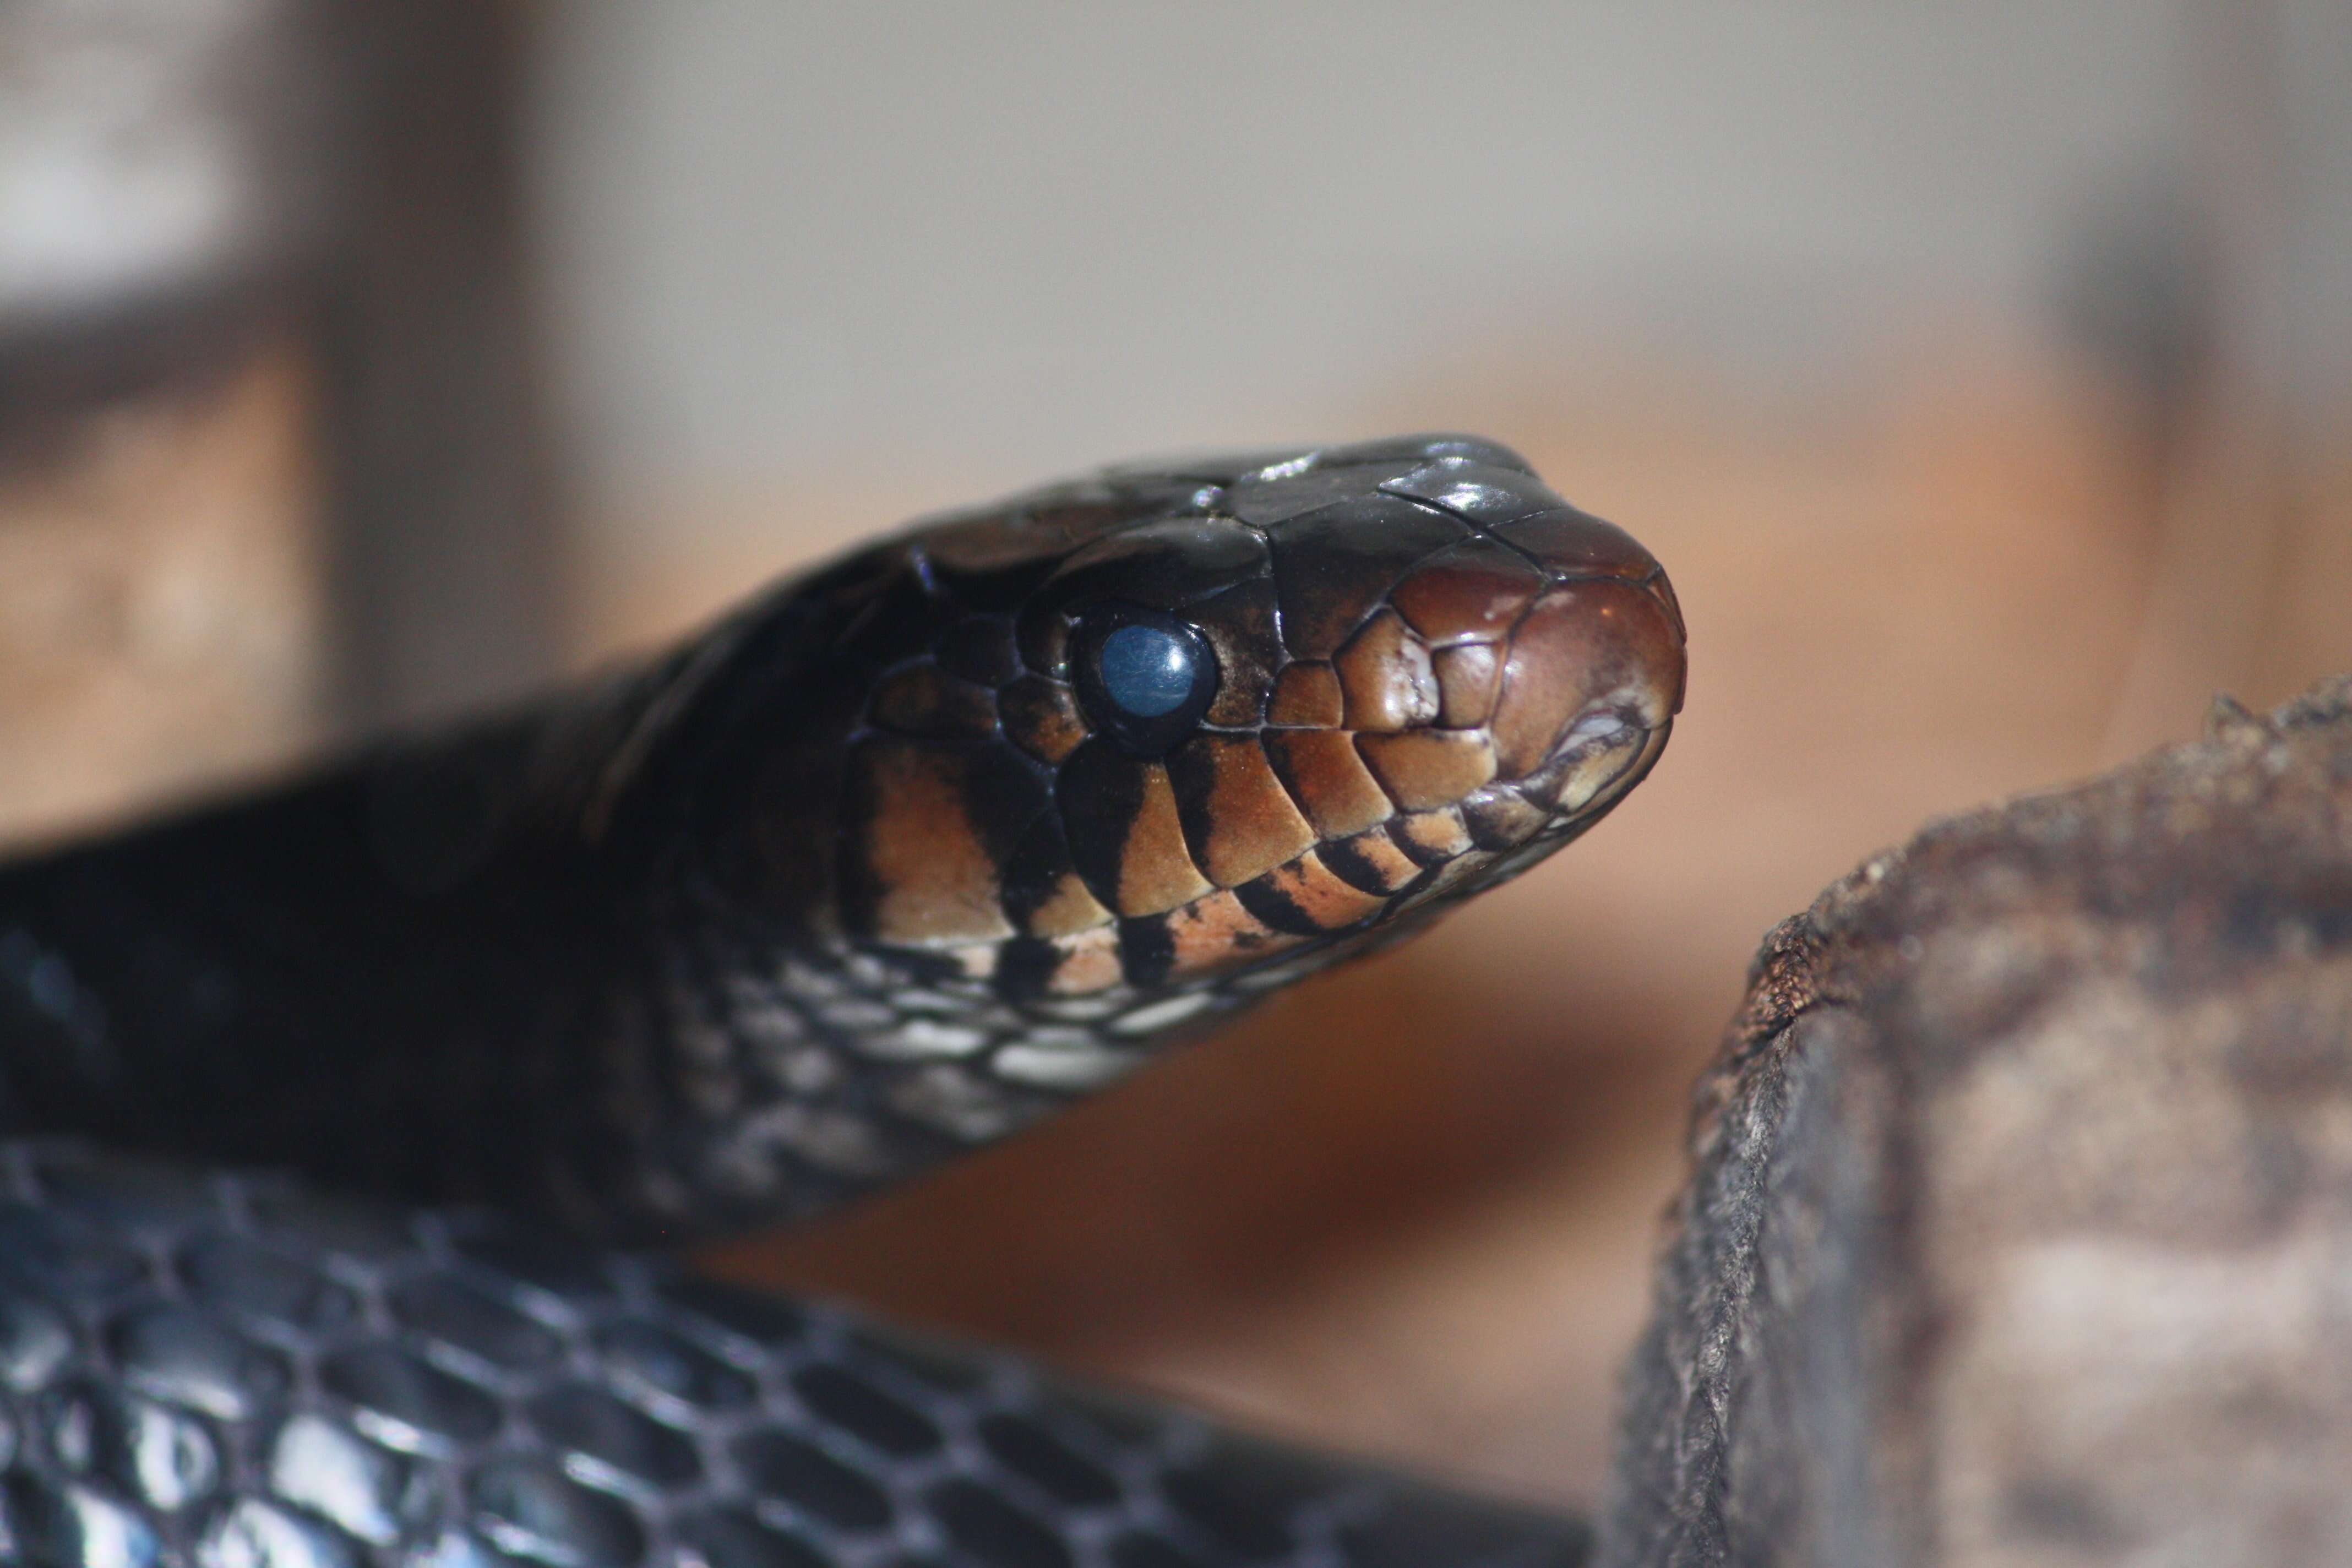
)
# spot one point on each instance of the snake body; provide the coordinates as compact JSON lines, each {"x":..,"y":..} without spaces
{"x":886,"y":864}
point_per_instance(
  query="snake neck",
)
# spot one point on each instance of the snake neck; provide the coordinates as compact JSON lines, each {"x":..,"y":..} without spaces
{"x":553,"y":959}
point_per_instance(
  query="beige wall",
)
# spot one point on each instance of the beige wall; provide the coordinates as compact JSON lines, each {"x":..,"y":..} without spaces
{"x":956,"y":245}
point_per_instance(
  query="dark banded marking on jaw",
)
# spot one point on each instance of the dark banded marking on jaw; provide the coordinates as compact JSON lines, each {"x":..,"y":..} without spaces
{"x":1216,"y":783}
{"x":1147,"y":950}
{"x":1429,"y":838}
{"x":1026,"y":967}
{"x":1307,"y":898}
{"x":1119,"y":816}
{"x":1320,"y":894}
{"x":1501,"y":818}
{"x":926,"y":874}
{"x":931,"y":791}
{"x":1043,"y":895}
{"x":1371,"y":861}
{"x":1238,"y":820}
{"x":1273,"y":906}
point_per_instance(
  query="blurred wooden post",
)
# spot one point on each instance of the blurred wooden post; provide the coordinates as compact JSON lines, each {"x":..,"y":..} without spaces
{"x":269,"y":454}
{"x":445,"y":523}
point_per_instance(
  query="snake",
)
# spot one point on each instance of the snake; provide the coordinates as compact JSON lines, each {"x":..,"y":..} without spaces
{"x":351,"y":1128}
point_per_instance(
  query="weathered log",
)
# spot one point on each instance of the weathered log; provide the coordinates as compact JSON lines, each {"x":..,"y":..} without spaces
{"x":2019,"y":1227}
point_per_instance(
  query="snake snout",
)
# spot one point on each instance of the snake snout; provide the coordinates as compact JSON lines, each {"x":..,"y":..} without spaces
{"x":1591,"y":687}
{"x":1591,"y":661}
{"x":1543,"y":657}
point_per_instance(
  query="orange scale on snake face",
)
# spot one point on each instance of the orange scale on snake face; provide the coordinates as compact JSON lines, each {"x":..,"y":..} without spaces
{"x":1431,"y":837}
{"x":930,"y":875}
{"x":1469,"y":677}
{"x":1238,"y":819}
{"x":1087,"y":963}
{"x":1068,"y":909}
{"x":1042,"y":717}
{"x":1306,"y":695}
{"x":1155,"y":872}
{"x":1371,"y":861}
{"x":1212,"y":932}
{"x":1385,"y":676}
{"x":1423,"y":769}
{"x":1319,"y":894}
{"x":1322,"y":768}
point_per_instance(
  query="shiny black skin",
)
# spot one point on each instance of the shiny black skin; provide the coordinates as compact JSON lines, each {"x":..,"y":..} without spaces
{"x":221,"y":1372}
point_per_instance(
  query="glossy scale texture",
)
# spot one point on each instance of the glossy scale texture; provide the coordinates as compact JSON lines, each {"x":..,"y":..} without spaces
{"x":221,"y":1372}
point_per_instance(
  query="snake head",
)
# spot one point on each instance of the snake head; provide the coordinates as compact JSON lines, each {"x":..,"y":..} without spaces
{"x":1192,"y":726}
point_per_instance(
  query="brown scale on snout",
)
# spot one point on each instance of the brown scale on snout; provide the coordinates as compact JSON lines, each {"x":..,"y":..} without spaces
{"x":1429,"y":671}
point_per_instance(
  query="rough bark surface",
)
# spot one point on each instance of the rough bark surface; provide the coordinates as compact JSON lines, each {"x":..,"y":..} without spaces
{"x":2019,"y":1227}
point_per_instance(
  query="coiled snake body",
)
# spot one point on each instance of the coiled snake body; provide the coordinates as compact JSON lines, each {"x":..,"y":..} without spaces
{"x":885,"y":866}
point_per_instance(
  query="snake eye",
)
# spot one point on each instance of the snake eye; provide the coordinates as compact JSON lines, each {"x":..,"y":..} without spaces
{"x":1144,"y":677}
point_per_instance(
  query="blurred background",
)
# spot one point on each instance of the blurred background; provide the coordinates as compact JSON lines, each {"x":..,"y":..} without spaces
{"x":1982,"y":374}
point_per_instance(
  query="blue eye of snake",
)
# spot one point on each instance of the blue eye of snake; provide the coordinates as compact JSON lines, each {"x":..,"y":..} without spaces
{"x":1144,"y":677}
{"x":1148,"y":671}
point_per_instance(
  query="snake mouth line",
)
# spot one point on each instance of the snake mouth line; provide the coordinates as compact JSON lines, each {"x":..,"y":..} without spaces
{"x":1311,"y":908}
